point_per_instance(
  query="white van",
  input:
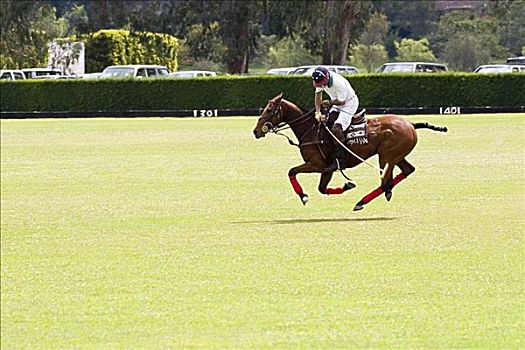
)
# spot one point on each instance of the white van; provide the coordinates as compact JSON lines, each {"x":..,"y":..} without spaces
{"x":500,"y":68}
{"x":308,"y":70}
{"x":135,"y":71}
{"x":43,"y":73}
{"x":281,"y":71}
{"x":520,"y":60}
{"x":12,"y":74}
{"x":90,"y":75}
{"x":193,"y":74}
{"x":412,"y":67}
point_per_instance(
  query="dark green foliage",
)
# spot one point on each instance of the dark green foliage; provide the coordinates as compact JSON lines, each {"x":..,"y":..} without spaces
{"x":26,"y":27}
{"x":375,"y":90}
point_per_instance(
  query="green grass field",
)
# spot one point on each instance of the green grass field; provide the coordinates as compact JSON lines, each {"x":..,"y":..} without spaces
{"x":185,"y":233}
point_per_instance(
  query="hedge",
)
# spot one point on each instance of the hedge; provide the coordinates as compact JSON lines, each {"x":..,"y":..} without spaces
{"x":234,"y":92}
{"x":112,"y":46}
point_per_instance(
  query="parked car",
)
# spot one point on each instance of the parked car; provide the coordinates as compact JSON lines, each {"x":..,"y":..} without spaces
{"x":135,"y":71}
{"x":43,"y":73}
{"x":281,"y":71}
{"x":12,"y":74}
{"x":500,"y":68}
{"x":192,"y":74}
{"x":308,"y":70}
{"x":516,"y":60}
{"x":412,"y":67}
{"x":90,"y":75}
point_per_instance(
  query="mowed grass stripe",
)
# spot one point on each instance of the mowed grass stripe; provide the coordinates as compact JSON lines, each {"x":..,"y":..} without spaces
{"x":159,"y":233}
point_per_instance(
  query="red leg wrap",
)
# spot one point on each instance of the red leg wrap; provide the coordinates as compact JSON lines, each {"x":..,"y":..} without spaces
{"x":296,"y":186}
{"x":337,"y":190}
{"x":398,"y":179}
{"x":374,"y":194}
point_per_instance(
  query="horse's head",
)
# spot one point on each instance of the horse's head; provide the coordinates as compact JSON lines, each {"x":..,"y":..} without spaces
{"x":271,"y":116}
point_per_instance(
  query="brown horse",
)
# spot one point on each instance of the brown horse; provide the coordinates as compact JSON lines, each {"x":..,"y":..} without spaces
{"x":389,"y":136}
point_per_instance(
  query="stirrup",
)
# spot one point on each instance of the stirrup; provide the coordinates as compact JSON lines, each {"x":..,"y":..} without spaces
{"x":362,"y":112}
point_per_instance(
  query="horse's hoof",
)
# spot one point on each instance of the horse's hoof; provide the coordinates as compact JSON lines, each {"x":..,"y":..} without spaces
{"x":304,"y":199}
{"x":388,"y":195}
{"x":348,"y":186}
{"x":359,"y":206}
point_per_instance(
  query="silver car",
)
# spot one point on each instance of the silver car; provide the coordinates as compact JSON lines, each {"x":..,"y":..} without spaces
{"x":135,"y":71}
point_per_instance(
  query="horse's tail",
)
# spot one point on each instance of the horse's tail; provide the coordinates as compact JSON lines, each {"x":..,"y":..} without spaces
{"x":430,"y":126}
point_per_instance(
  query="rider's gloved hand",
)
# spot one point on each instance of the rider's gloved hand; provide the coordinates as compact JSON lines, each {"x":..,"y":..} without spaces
{"x":326,"y":104}
{"x":320,"y":117}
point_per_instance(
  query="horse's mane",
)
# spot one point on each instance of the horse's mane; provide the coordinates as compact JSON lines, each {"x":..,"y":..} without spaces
{"x":303,"y":110}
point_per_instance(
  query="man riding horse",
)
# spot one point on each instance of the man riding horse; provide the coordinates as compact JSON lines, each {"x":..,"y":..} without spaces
{"x":343,"y":100}
{"x":391,"y":137}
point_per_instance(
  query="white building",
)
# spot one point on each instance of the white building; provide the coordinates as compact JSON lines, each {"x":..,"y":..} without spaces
{"x":69,"y":57}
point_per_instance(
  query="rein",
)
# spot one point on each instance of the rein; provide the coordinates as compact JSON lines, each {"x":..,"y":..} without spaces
{"x":269,"y":127}
{"x":282,"y":124}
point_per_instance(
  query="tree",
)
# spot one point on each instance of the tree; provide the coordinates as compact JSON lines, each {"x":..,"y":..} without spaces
{"x":512,"y":25}
{"x":466,"y":52}
{"x":370,"y":52}
{"x":108,"y":14}
{"x":284,"y":18}
{"x":26,"y":29}
{"x":409,"y":19}
{"x":414,"y":50}
{"x":368,"y":56}
{"x":327,"y":27}
{"x":205,"y":43}
{"x":77,"y":19}
{"x":116,"y":47}
{"x":331,"y":26}
{"x":290,"y":52}
{"x":375,"y":31}
{"x":239,"y":29}
{"x":456,"y":26}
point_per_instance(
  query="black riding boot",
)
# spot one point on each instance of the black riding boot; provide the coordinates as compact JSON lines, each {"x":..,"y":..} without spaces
{"x":340,"y":152}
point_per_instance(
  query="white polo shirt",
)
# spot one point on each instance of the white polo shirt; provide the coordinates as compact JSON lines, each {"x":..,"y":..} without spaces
{"x":339,"y":90}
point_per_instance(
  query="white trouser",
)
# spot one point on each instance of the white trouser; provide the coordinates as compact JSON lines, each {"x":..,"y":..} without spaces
{"x":346,"y":112}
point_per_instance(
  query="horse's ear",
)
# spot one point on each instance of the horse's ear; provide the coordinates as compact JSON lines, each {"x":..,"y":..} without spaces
{"x":278,"y":97}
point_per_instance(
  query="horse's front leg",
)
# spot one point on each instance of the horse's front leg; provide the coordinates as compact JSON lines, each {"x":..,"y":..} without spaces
{"x":303,"y":168}
{"x":325,"y":180}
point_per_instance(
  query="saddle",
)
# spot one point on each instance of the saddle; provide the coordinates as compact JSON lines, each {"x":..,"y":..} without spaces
{"x":357,"y":131}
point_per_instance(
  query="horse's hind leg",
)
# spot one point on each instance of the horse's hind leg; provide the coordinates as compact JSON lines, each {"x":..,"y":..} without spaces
{"x":406,"y":168}
{"x":387,"y":182}
{"x":386,"y":185}
{"x":325,"y":180}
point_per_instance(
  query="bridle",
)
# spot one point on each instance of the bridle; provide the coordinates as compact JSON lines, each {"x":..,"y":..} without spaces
{"x":269,"y":127}
{"x":283,"y":125}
